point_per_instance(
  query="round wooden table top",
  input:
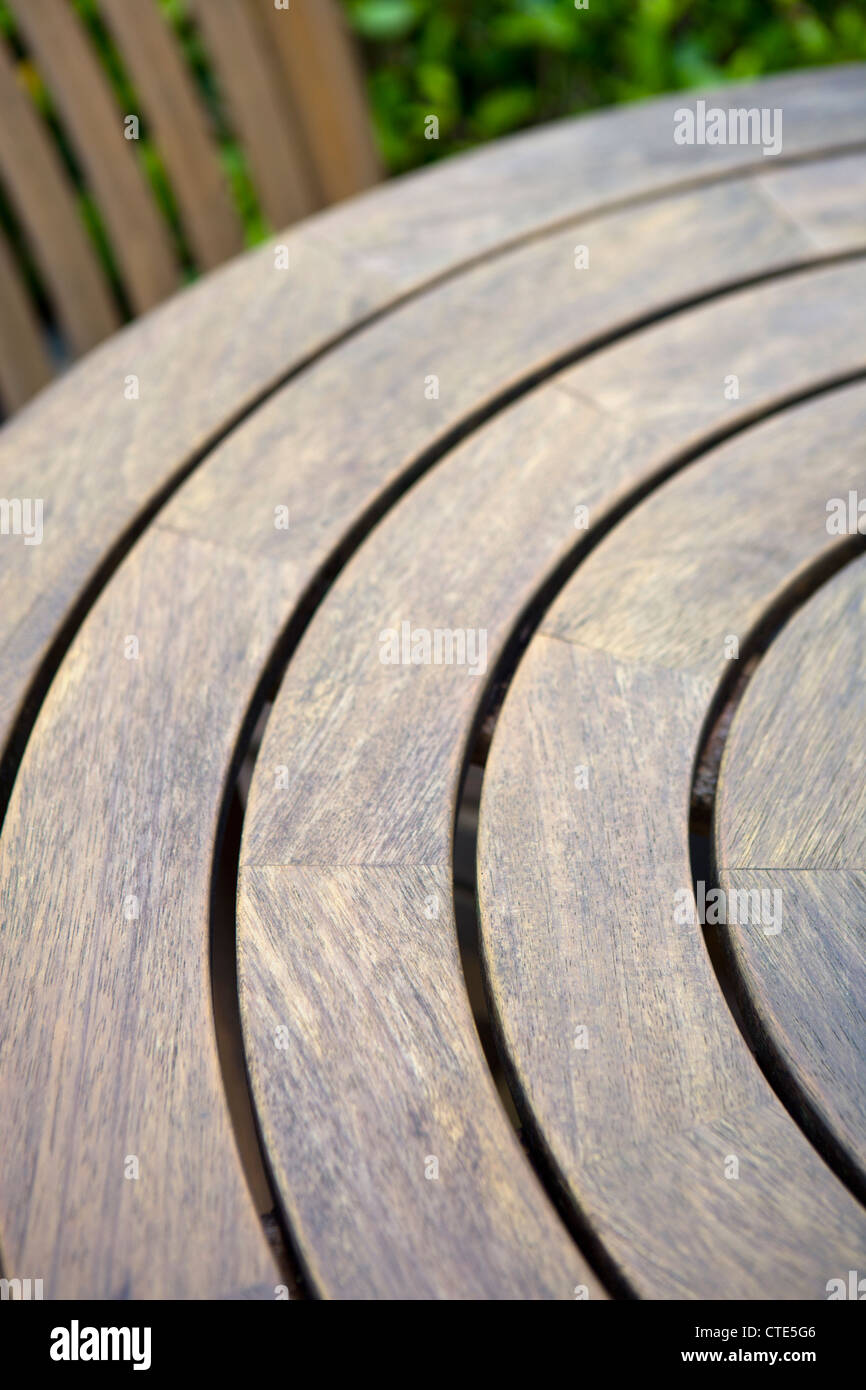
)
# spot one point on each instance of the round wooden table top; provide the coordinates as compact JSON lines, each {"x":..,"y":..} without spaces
{"x":468,"y":585}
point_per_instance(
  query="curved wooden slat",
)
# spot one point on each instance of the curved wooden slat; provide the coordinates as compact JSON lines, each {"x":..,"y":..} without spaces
{"x":791,"y":819}
{"x":163,"y":881}
{"x":46,"y":206}
{"x":24,"y":362}
{"x":214,"y":552}
{"x":728,"y":231}
{"x":657,"y":1117}
{"x":202,"y":360}
{"x":357,"y":779}
{"x":128,"y":1068}
{"x":503,"y":191}
{"x":313,"y":44}
{"x":175,"y":114}
{"x":80,"y":90}
{"x":261,"y":110}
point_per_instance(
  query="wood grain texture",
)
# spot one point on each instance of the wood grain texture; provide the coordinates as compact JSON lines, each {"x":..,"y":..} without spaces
{"x":372,"y":755}
{"x":312,"y":42}
{"x":176,"y":116}
{"x":345,"y":805}
{"x":788,"y":191}
{"x":255,"y":575}
{"x":122,"y":1061}
{"x":99,"y":459}
{"x":224,"y":515}
{"x":644,"y":1110}
{"x":39,"y":188}
{"x":206,"y":356}
{"x":261,"y":109}
{"x":791,"y":793}
{"x":24,"y":361}
{"x":791,"y":819}
{"x":504,"y":190}
{"x":378,"y":1010}
{"x":83,"y":97}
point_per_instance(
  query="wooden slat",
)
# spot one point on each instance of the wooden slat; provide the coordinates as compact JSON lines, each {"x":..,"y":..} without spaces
{"x":380,"y":806}
{"x":790,"y":793}
{"x":214,"y":553}
{"x":45,"y":203}
{"x":102,"y":458}
{"x":207,"y":356}
{"x":501,"y":191}
{"x":80,"y":669}
{"x":129,"y":1067}
{"x":24,"y":362}
{"x":394,"y":1081}
{"x":791,"y":819}
{"x":313,"y":44}
{"x":175,"y":114}
{"x":261,"y":109}
{"x":79,"y":88}
{"x":645,"y":1119}
{"x":158,"y":345}
{"x":348,"y":801}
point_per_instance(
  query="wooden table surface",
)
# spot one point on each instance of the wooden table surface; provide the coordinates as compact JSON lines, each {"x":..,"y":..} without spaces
{"x":540,"y":442}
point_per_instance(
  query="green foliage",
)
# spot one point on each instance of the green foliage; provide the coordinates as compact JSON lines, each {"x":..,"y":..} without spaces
{"x":486,"y":67}
{"x":483,"y":67}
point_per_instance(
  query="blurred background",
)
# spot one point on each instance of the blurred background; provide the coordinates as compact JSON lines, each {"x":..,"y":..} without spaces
{"x":249,"y":118}
{"x":488,"y":67}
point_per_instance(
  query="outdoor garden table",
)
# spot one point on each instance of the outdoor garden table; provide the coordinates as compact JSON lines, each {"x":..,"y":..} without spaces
{"x":564,"y":439}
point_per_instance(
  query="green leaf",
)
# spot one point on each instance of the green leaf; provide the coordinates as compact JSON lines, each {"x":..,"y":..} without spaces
{"x":537,"y":28}
{"x":503,"y":110}
{"x":438,"y":84}
{"x":384,"y":19}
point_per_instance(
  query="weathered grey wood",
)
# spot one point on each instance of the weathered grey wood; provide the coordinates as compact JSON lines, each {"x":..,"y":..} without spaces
{"x":248,"y":576}
{"x":179,"y":124}
{"x":238,"y":613}
{"x":24,"y":363}
{"x":311,"y":41}
{"x":624,"y":1049}
{"x":208,"y":355}
{"x":123,"y":1061}
{"x":384,"y":794}
{"x":102,"y":459}
{"x":791,"y":794}
{"x":36,"y":182}
{"x":507,"y":191}
{"x":81,"y":92}
{"x":791,"y":818}
{"x":527,"y":181}
{"x":261,"y":109}
{"x":389,"y":1019}
{"x":347,"y":802}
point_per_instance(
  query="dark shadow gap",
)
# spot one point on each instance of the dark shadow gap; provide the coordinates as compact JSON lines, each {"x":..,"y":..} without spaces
{"x":322,"y":581}
{"x":111,"y":562}
{"x":769,"y":1058}
{"x":229,"y":1040}
{"x":314,"y":595}
{"x":478,"y":744}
